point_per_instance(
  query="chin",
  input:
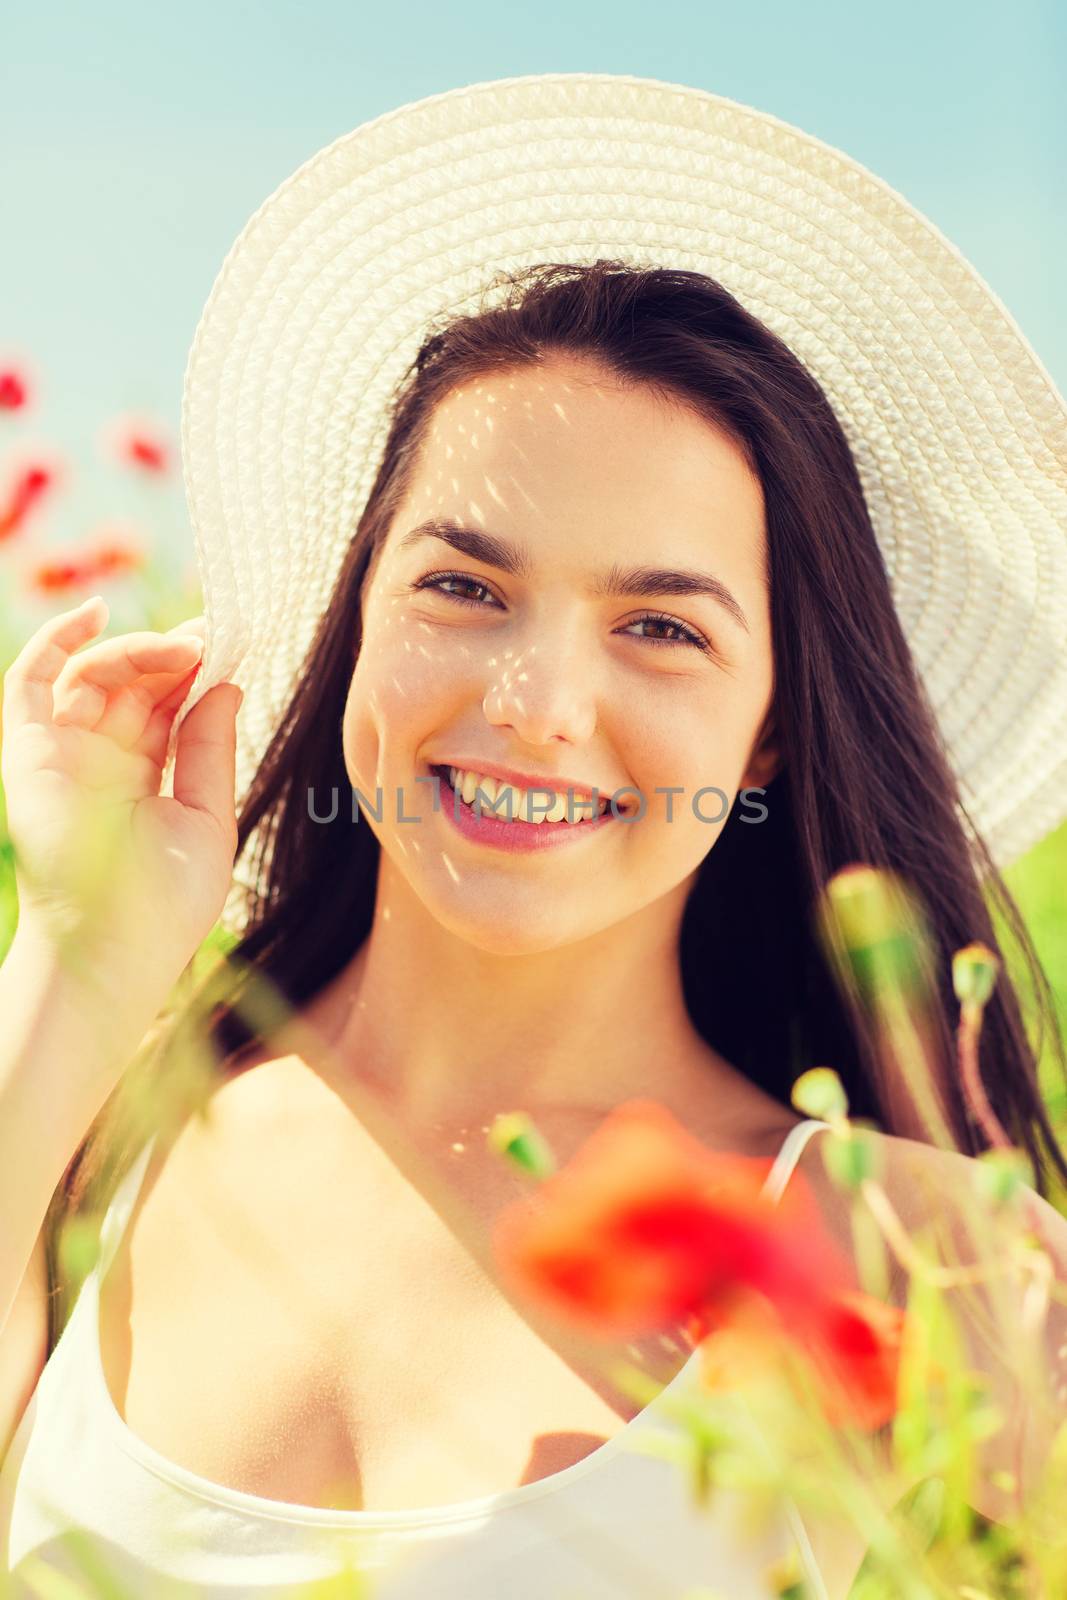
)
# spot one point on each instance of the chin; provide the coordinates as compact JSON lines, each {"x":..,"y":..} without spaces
{"x":508,"y":929}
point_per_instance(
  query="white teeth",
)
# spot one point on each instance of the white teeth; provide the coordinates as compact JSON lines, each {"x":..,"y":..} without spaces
{"x":557,"y":812}
{"x":509,"y":803}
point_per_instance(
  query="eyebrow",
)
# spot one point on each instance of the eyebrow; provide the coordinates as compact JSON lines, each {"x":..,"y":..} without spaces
{"x":493,"y":551}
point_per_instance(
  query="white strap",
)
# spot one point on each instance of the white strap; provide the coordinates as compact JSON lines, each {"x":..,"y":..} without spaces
{"x":789,"y":1154}
{"x":122,"y":1203}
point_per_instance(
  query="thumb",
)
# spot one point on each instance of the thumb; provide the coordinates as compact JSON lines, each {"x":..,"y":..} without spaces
{"x":205,"y":757}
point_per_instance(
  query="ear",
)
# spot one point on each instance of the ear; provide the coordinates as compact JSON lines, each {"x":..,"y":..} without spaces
{"x":765,"y":762}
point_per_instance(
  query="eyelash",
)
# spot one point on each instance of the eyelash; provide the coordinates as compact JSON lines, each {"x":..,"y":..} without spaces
{"x":689,"y":636}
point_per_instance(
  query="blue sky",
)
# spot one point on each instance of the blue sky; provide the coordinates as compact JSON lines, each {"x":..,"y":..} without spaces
{"x":136,"y":140}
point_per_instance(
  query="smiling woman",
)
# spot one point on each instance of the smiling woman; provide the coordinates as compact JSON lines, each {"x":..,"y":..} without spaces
{"x":603,"y":538}
{"x":533,"y":658}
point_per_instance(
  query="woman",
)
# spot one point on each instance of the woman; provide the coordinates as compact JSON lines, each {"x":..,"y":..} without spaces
{"x":614,"y":544}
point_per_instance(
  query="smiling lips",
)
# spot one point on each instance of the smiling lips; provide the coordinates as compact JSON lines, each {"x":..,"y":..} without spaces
{"x":531,"y":826}
{"x":512,"y":804}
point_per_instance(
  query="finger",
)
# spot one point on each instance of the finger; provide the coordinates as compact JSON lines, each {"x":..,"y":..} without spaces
{"x":122,"y":709}
{"x":126,"y":713}
{"x":29,"y":680}
{"x":122,"y":714}
{"x":170,"y":702}
{"x":205,"y":762}
{"x":155,"y":735}
{"x":86,"y":680}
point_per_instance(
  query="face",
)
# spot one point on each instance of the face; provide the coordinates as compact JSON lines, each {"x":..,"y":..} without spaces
{"x":571,"y":597}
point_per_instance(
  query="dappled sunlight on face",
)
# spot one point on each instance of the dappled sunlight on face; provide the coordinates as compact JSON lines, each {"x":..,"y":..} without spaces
{"x":572,"y":590}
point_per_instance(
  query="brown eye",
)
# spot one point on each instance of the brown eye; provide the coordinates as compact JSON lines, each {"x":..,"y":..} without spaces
{"x":682,"y":632}
{"x":438,"y":581}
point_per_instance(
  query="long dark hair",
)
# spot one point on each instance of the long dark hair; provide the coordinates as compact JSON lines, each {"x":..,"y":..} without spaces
{"x":864,"y":778}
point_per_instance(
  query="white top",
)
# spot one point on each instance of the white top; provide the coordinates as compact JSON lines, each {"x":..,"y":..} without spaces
{"x":77,"y":1482}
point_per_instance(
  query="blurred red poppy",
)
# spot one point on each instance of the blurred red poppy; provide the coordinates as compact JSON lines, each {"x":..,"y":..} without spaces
{"x":851,"y":1347}
{"x":13,"y":390}
{"x":74,"y":569}
{"x":114,"y":556}
{"x":146,"y":452}
{"x":646,"y":1229}
{"x":858,"y":1358}
{"x":30,"y":484}
{"x":136,"y":441}
{"x":56,"y":575}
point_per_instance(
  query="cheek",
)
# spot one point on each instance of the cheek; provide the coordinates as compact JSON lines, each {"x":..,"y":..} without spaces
{"x":695,"y":740}
{"x":401,"y":690}
{"x":688,"y":742}
{"x":360,"y":736}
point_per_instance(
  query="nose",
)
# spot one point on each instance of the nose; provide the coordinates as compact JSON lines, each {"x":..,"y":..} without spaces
{"x":543,"y":695}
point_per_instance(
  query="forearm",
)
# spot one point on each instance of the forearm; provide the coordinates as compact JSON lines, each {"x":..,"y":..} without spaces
{"x":69,"y":1030}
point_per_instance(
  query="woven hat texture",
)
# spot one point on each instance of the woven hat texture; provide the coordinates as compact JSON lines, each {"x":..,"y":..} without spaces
{"x":958,"y":432}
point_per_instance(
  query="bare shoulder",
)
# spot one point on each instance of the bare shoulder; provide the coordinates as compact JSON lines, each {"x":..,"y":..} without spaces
{"x":939,"y":1198}
{"x":926,"y":1179}
{"x":931,"y":1186}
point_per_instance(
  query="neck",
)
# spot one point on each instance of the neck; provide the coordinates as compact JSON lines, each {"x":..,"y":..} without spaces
{"x":451,"y":1035}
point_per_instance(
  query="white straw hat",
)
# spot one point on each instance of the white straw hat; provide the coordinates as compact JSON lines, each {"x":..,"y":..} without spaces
{"x":958,"y":431}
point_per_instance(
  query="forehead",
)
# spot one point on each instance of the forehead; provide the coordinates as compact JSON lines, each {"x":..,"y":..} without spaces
{"x":563,"y":449}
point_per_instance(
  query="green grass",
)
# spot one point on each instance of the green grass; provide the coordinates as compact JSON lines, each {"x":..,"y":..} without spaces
{"x":1039,"y":884}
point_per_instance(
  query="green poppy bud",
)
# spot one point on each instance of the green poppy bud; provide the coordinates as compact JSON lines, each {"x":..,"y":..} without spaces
{"x":819,"y":1092}
{"x":515,"y":1136}
{"x":974,"y":973}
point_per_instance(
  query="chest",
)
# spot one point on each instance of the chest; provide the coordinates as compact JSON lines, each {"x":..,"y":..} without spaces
{"x":311,"y":1330}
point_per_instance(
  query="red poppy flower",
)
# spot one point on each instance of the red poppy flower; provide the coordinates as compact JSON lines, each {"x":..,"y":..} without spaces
{"x":50,"y":576}
{"x":76,"y":568}
{"x":646,"y":1229}
{"x":30,"y":484}
{"x":13,"y":390}
{"x":146,"y":452}
{"x":136,"y":441}
{"x":850,"y":1348}
{"x":113,"y":556}
{"x":857,"y":1358}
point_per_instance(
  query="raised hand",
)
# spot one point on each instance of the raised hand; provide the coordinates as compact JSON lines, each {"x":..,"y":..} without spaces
{"x":100,"y":856}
